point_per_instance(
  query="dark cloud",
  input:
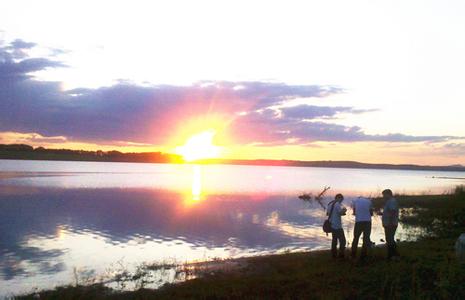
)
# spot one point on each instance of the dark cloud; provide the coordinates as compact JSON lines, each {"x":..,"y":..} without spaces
{"x":22,"y":68}
{"x":307,"y":112}
{"x":152,"y":113}
{"x":20,"y":44}
{"x":14,"y":63}
{"x":273,"y":129}
{"x":17,"y":49}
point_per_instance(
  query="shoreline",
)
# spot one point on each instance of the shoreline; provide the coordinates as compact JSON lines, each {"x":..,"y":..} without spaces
{"x":304,"y":274}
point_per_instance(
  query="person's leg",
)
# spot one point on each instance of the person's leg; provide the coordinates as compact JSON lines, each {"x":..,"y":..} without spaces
{"x":391,"y":241}
{"x":366,"y":238}
{"x":387,"y":234}
{"x":334,"y":243}
{"x":394,"y":244}
{"x":342,"y":244}
{"x":357,"y":233}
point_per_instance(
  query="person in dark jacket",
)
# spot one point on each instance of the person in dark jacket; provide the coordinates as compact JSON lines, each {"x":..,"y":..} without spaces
{"x":390,"y":222}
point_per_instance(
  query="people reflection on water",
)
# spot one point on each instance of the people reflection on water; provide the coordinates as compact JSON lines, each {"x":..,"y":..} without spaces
{"x":334,"y":212}
{"x":363,"y":211}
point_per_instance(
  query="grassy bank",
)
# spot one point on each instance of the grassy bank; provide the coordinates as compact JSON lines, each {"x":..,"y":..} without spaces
{"x":427,"y":269}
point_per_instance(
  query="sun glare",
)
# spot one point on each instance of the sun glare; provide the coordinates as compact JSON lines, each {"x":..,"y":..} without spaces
{"x":199,"y":146}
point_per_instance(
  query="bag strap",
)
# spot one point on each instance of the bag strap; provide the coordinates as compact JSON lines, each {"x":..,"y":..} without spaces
{"x":332,"y":208}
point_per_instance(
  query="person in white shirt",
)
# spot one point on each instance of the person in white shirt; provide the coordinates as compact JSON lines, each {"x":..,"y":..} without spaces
{"x":363,"y":210}
{"x":334,"y":211}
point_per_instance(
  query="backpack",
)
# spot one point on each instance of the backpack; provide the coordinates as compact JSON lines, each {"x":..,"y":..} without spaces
{"x":327,"y":224}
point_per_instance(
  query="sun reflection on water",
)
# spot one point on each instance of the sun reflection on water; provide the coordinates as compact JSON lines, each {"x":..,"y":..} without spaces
{"x":196,"y":192}
{"x":197,"y":183}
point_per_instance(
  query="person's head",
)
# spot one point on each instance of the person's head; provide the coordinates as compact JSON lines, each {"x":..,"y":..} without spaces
{"x":387,"y":193}
{"x":339,"y":197}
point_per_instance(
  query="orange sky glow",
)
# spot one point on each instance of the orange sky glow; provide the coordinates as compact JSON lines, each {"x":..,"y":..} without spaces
{"x":377,"y":83}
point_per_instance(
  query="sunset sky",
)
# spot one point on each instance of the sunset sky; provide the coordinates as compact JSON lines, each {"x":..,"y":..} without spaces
{"x":372,"y":81}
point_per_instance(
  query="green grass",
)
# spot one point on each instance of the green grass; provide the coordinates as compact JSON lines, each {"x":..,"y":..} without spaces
{"x":427,"y":269}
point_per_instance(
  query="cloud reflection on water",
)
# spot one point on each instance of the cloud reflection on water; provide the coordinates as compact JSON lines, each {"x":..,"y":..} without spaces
{"x":50,"y":230}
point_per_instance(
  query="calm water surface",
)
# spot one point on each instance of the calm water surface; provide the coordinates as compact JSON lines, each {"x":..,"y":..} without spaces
{"x":58,"y":217}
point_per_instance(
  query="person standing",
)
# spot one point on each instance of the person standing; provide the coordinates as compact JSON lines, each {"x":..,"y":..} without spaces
{"x":363,"y":210}
{"x":335,"y":210}
{"x":390,"y":220}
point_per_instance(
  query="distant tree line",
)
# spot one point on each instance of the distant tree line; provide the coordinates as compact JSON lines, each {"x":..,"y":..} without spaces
{"x":22,"y":151}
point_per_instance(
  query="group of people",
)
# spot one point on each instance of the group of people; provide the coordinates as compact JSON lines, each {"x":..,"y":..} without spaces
{"x":363,"y":211}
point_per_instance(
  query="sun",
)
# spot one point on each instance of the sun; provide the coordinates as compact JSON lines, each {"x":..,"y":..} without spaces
{"x":199,"y":146}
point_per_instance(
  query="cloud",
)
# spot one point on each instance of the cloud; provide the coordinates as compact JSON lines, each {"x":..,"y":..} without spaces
{"x":26,"y":66}
{"x":271,"y":128}
{"x":29,"y":138}
{"x":20,"y":44}
{"x":15,"y":64}
{"x":256,"y":112}
{"x":454,"y":149}
{"x":18,"y":49}
{"x":305,"y":111}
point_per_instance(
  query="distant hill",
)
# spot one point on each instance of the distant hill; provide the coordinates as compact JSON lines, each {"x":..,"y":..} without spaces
{"x":331,"y":164}
{"x":457,"y":166}
{"x":21,"y":151}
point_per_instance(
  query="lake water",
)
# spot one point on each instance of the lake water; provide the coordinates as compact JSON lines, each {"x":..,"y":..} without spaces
{"x":57,"y":218}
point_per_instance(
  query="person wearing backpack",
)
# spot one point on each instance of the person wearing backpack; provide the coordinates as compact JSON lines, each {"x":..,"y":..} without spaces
{"x":334,"y":212}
